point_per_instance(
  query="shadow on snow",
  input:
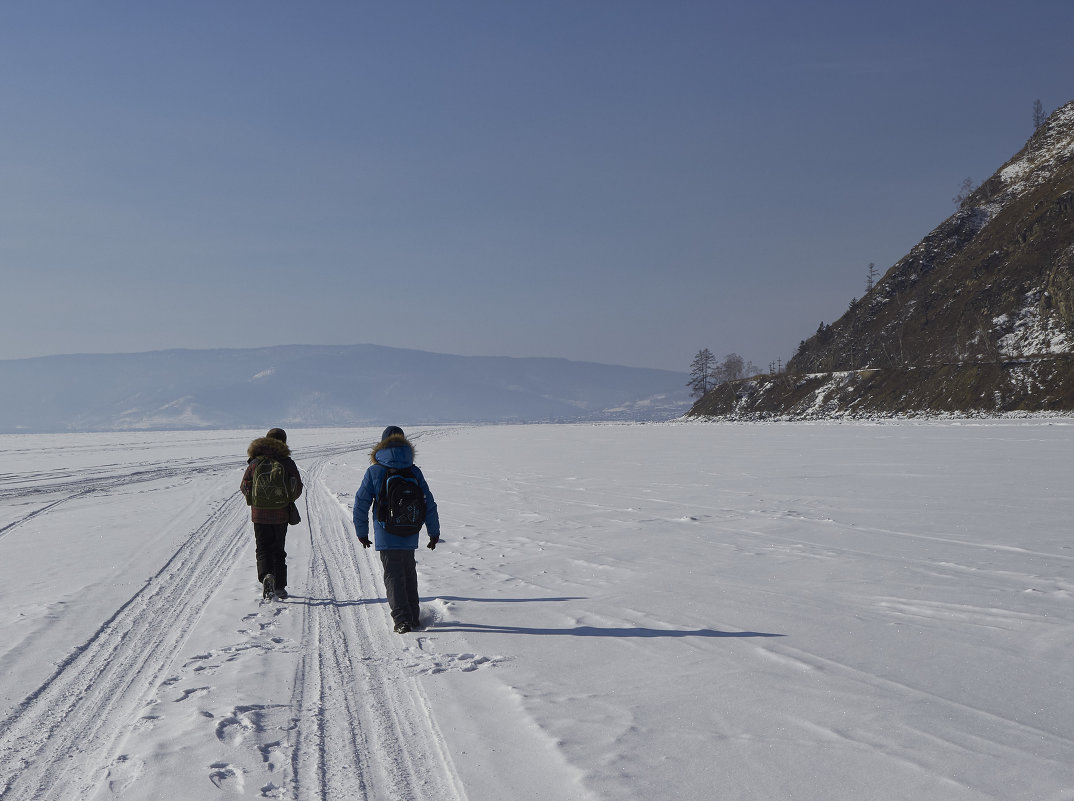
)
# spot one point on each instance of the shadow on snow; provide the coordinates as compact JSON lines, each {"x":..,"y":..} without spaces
{"x":596,"y":631}
{"x":576,"y":631}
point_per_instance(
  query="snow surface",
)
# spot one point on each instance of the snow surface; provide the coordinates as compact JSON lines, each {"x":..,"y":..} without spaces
{"x":667,"y":611}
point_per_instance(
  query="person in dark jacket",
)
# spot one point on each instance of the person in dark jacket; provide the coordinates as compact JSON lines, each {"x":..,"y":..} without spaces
{"x":396,"y":552}
{"x":270,"y":525}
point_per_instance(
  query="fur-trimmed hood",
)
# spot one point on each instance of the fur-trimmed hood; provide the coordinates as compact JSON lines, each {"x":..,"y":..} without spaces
{"x":395,"y":451}
{"x":267,"y":446}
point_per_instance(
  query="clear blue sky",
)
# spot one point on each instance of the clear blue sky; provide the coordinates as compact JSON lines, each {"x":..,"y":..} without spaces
{"x":616,"y":181}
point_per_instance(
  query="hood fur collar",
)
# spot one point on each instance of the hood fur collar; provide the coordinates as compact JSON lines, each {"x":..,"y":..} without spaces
{"x":266,"y":446}
{"x":394,"y":441}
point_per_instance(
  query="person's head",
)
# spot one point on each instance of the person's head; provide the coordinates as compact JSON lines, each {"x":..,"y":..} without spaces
{"x":392,"y":431}
{"x":277,"y":433}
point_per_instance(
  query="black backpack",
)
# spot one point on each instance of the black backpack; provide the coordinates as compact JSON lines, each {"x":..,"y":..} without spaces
{"x":401,"y":503}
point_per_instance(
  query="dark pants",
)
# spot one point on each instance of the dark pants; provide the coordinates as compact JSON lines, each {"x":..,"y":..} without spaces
{"x":401,"y":585}
{"x":271,"y":557}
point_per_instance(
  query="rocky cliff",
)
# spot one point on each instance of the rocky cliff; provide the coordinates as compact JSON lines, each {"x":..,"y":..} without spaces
{"x":977,"y":318}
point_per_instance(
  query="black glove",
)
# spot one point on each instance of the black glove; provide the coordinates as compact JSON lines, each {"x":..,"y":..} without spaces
{"x":365,"y":542}
{"x":432,"y":543}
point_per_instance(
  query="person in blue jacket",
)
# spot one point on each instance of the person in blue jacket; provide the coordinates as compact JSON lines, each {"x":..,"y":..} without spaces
{"x":396,"y":553}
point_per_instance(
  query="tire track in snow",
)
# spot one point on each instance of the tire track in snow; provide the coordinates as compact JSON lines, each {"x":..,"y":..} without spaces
{"x":105,"y":477}
{"x":58,"y":742}
{"x":5,"y":530}
{"x":365,"y":730}
{"x":81,"y":481}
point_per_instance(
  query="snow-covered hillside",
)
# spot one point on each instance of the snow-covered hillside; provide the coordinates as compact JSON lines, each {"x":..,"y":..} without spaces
{"x":948,"y":328}
{"x":668,"y":611}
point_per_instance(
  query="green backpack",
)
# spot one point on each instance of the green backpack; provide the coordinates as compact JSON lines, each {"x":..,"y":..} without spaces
{"x":269,"y":485}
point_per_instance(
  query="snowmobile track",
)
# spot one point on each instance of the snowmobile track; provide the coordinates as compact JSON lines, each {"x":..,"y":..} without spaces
{"x":82,"y":707}
{"x":374,"y":737}
{"x":5,"y":530}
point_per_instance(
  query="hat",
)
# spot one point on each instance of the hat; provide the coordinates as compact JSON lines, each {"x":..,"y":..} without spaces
{"x":277,"y":433}
{"x":392,"y":431}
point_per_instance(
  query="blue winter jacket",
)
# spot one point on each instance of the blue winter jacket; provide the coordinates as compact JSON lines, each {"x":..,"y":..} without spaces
{"x":395,"y":452}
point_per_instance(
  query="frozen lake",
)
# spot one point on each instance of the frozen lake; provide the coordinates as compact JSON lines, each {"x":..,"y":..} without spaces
{"x":668,"y":611}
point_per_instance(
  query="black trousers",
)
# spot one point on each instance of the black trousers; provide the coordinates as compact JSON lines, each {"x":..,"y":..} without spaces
{"x":270,"y":553}
{"x":401,"y":585}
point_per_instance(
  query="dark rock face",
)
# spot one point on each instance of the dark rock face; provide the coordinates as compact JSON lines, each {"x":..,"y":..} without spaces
{"x":978,"y":317}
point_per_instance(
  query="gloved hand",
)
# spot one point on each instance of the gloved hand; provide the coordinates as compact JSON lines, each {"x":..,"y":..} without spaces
{"x":365,"y":542}
{"x":432,"y":543}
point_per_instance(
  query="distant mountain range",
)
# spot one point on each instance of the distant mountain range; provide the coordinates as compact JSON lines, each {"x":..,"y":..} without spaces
{"x":977,"y":319}
{"x":321,"y":386}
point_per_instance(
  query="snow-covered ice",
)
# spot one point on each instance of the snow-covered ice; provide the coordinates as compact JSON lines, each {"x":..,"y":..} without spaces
{"x":669,"y":611}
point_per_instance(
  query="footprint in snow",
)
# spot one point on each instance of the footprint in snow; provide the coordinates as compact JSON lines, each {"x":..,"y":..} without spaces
{"x":124,"y":772}
{"x":274,"y":755}
{"x":234,"y":727}
{"x":193,"y":692}
{"x":434,"y":664}
{"x":146,"y":722}
{"x":232,"y":730}
{"x":228,"y":778}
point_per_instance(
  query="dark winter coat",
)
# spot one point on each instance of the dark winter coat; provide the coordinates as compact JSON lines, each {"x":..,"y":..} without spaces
{"x":267,"y":447}
{"x":397,"y":453}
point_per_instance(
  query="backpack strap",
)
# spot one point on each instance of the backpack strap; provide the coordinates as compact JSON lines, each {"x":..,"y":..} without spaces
{"x":380,"y":504}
